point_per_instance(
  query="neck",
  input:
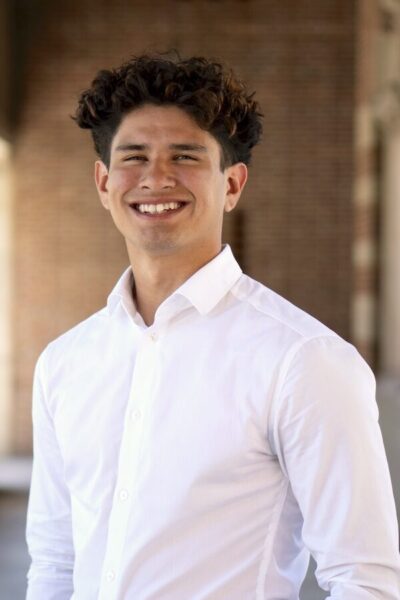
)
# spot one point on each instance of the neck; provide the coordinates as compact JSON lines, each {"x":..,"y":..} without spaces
{"x":157,"y":277}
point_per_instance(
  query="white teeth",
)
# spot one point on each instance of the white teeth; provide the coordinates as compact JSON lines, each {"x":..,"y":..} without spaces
{"x":157,"y":208}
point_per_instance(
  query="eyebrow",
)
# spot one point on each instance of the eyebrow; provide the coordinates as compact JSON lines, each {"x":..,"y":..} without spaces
{"x":181,"y":147}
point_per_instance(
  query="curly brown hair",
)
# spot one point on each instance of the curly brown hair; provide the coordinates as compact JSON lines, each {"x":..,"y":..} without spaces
{"x":211,"y":94}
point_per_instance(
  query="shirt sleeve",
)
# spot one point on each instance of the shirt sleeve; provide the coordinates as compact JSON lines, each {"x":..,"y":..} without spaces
{"x":329,"y":444}
{"x":48,"y":526}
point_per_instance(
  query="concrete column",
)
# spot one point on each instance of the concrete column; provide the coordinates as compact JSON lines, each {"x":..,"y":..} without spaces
{"x":385,"y":102}
{"x":390,"y":252}
{"x":364,"y":250}
{"x":364,"y":243}
{"x":6,"y":361}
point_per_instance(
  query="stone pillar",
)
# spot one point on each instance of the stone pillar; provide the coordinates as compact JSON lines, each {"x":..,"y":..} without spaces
{"x":376,"y":243}
{"x":390,"y":251}
{"x":387,"y":113}
{"x":6,"y":361}
{"x":364,"y":250}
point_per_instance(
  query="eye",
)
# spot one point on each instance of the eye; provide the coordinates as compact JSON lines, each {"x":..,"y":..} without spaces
{"x":185,"y":157}
{"x":135,"y":157}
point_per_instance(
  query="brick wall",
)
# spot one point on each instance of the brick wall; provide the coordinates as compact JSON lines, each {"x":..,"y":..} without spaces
{"x":294,"y":226}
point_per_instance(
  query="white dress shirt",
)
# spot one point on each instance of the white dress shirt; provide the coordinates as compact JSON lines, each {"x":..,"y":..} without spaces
{"x":205,"y":456}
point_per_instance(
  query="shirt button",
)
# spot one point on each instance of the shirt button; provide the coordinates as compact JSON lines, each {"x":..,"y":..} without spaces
{"x":135,"y":414}
{"x":110,"y":575}
{"x":153,"y":336}
{"x":123,"y":495}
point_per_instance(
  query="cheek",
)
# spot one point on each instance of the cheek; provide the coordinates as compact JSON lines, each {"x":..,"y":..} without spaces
{"x":122,"y":180}
{"x":209,"y":185}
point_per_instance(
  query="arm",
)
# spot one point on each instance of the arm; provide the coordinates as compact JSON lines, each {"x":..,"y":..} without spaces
{"x":48,"y":528}
{"x":328,"y":440}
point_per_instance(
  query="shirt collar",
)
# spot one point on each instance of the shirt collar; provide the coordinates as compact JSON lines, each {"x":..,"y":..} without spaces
{"x":207,"y":286}
{"x":123,"y":292}
{"x":204,"y":289}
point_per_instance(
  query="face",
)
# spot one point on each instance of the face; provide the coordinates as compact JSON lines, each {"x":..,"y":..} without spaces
{"x":164,"y":187}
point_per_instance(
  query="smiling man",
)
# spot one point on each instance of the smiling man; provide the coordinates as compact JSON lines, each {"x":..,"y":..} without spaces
{"x":200,"y":436}
{"x":167,"y":194}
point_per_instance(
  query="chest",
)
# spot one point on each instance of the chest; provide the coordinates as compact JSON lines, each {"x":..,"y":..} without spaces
{"x":167,"y":405}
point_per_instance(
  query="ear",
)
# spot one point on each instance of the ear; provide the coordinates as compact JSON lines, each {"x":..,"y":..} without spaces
{"x":236,"y":177}
{"x":101,"y":179}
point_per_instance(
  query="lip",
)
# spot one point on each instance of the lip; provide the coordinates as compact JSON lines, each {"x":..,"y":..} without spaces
{"x":158,"y":216}
{"x":157,"y":201}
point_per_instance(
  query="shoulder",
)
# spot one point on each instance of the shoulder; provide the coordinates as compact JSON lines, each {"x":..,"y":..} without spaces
{"x":76,"y":340}
{"x":272,"y":307}
{"x":301,"y":340}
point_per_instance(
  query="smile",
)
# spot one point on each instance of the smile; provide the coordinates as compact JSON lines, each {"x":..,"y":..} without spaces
{"x":156,"y":210}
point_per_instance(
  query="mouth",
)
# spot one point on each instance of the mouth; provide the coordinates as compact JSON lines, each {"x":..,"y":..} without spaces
{"x":159,"y":210}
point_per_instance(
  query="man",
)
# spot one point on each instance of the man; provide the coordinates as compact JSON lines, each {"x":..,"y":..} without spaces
{"x":198,"y":437}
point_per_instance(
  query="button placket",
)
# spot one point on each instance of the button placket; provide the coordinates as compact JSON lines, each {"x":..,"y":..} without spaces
{"x":123,"y":495}
{"x":135,"y":414}
{"x":130,"y":456}
{"x":110,"y":576}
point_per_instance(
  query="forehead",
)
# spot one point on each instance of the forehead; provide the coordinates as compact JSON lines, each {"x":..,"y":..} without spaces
{"x":161,"y":123}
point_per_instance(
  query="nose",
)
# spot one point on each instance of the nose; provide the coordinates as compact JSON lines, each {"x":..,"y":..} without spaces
{"x":157,"y":175}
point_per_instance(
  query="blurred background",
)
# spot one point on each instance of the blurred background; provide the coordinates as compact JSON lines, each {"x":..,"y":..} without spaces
{"x":319,"y":221}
